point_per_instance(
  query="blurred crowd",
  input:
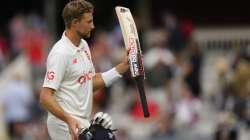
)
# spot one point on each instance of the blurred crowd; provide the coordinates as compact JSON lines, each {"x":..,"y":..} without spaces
{"x":26,"y":35}
{"x":173,"y":65}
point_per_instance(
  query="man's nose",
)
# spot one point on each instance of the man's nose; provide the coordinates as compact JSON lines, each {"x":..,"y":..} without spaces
{"x":93,"y":26}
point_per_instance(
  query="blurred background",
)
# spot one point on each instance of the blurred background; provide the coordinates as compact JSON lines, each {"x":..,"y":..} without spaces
{"x":197,"y":64}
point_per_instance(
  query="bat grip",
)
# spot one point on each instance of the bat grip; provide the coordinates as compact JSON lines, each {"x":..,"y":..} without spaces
{"x":140,"y":86}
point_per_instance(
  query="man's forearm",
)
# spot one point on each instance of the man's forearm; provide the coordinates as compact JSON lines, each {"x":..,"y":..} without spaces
{"x":110,"y":76}
{"x":50,"y":104}
{"x":98,"y":82}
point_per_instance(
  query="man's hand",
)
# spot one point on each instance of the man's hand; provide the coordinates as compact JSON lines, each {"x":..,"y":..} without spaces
{"x":124,"y":65}
{"x":126,"y":56}
{"x":73,"y":127}
{"x":103,"y":119}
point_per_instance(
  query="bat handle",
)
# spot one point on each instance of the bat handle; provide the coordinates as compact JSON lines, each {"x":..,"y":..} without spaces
{"x":140,"y":86}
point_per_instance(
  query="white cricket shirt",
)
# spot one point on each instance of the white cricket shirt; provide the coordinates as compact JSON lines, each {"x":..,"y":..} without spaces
{"x":69,"y":72}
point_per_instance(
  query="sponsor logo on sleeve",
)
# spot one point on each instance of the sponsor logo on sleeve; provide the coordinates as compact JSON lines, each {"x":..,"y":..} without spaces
{"x":50,"y":75}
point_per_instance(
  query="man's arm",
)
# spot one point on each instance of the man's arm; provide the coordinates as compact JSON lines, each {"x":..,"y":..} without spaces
{"x":48,"y":101}
{"x":98,"y":82}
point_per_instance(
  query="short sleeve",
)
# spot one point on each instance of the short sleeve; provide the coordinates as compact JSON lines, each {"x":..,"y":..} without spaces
{"x":56,"y":67}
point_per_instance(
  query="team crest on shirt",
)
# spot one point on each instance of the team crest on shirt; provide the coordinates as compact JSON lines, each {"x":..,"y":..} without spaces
{"x":50,"y":75}
{"x":74,"y":60}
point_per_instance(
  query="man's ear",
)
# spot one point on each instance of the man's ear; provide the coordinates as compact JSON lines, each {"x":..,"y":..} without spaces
{"x":75,"y":21}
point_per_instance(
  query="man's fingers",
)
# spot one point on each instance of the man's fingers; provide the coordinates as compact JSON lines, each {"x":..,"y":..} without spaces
{"x":73,"y":135}
{"x":126,"y":60}
{"x":128,"y":50}
{"x":76,"y":133}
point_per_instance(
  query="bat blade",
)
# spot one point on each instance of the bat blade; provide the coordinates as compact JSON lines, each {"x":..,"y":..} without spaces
{"x":132,"y":43}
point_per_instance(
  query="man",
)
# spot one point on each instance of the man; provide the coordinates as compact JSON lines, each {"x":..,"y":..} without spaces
{"x":71,"y":79}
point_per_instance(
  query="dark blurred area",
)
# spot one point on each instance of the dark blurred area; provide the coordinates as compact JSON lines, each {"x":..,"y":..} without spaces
{"x":205,"y":13}
{"x":196,"y":57}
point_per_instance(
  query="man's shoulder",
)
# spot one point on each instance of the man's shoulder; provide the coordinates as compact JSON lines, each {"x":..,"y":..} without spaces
{"x":58,"y":54}
{"x":60,"y":48}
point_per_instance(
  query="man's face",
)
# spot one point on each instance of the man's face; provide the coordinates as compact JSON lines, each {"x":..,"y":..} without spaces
{"x":85,"y":25}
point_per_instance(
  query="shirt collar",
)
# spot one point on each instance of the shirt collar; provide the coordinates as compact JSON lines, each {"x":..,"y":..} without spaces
{"x":71,"y":45}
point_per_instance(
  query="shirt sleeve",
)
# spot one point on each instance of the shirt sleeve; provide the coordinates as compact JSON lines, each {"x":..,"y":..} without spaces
{"x":56,"y":67}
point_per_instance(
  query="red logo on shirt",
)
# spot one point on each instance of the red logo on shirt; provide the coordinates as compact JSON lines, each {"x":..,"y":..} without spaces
{"x":85,"y":77}
{"x":74,"y":60}
{"x":50,"y":75}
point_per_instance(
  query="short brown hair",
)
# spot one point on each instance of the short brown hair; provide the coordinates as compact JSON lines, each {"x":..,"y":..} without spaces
{"x":74,"y":10}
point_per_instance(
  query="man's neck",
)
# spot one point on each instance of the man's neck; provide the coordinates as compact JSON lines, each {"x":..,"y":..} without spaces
{"x":73,"y":37}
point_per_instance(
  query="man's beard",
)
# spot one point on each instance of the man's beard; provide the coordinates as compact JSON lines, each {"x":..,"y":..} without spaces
{"x":84,"y":35}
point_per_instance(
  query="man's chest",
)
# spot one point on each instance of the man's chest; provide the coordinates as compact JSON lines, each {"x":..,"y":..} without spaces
{"x":80,"y":67}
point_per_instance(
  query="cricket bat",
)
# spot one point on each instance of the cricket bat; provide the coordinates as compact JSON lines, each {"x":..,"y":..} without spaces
{"x":131,"y":40}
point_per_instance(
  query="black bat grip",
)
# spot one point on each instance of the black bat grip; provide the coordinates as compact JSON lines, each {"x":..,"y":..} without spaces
{"x":140,"y":86}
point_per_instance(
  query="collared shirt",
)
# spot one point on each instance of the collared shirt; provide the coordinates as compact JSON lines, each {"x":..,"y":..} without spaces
{"x":69,"y":72}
